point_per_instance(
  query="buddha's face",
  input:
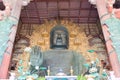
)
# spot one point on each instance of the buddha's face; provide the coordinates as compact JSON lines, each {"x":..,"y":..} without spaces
{"x":59,"y":37}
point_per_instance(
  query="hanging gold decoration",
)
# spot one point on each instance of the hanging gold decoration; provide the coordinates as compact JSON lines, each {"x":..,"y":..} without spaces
{"x":41,"y":42}
{"x":77,"y":42}
{"x":73,"y":34}
{"x":45,"y":34}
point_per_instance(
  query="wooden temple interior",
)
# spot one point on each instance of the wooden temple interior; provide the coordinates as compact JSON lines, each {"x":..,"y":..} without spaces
{"x":81,"y":19}
{"x":40,"y":16}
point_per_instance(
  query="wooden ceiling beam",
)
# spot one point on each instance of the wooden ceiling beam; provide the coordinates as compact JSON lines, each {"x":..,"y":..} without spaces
{"x":63,"y":16}
{"x":62,"y":9}
{"x":74,"y":22}
{"x":80,"y":9}
{"x":69,"y":11}
{"x":47,"y":9}
{"x":89,"y":12}
{"x":37,"y":10}
{"x":58,"y":9}
{"x":48,"y":0}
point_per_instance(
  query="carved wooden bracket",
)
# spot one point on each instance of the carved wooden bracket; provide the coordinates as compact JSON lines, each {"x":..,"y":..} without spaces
{"x":92,"y":2}
{"x":110,"y":5}
{"x":25,"y":2}
{"x":6,"y":12}
{"x":117,"y":13}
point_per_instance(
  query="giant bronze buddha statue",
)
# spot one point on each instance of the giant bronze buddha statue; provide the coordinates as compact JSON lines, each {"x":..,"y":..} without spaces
{"x":59,"y":56}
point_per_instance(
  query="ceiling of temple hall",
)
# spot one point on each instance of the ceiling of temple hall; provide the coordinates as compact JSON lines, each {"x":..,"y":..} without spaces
{"x":79,"y":11}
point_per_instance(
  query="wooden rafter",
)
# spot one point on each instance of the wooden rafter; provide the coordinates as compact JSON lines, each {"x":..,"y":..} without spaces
{"x":40,"y":10}
{"x":37,"y":11}
{"x":79,"y":10}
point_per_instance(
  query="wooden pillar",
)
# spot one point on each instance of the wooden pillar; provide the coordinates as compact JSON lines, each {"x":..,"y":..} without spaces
{"x":15,"y":13}
{"x":112,"y":54}
{"x":104,"y":15}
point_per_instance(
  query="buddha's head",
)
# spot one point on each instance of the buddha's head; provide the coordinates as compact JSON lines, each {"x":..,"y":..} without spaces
{"x":59,"y":38}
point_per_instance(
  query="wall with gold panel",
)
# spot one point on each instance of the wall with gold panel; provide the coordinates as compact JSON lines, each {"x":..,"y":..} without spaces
{"x":78,"y":40}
